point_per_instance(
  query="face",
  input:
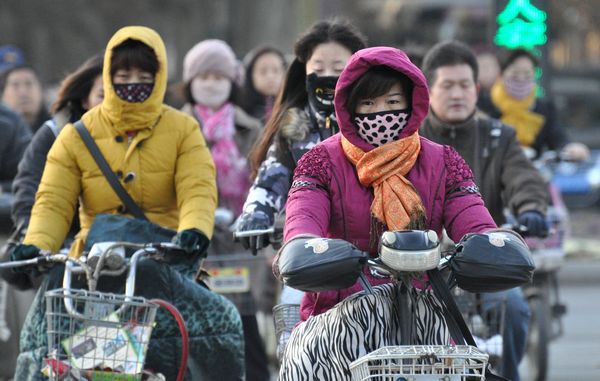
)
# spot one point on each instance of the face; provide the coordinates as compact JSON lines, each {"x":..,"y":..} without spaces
{"x":96,"y":94}
{"x":267,"y":74}
{"x":453,"y":95}
{"x":132,"y":75}
{"x":328,"y":59}
{"x":522,"y":69}
{"x":211,"y":89}
{"x":23,"y":92}
{"x":489,"y":70}
{"x":393,"y":100}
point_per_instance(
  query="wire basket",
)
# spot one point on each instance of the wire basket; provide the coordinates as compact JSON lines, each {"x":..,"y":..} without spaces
{"x":102,"y":337}
{"x":486,"y":324}
{"x":285,"y":317}
{"x":421,"y":363}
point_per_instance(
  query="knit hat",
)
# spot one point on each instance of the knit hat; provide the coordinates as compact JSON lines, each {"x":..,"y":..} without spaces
{"x":10,"y":56}
{"x":212,"y":55}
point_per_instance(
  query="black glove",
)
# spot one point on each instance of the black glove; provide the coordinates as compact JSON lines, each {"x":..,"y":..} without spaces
{"x":23,"y":252}
{"x":535,"y":222}
{"x":254,"y":221}
{"x":191,"y":241}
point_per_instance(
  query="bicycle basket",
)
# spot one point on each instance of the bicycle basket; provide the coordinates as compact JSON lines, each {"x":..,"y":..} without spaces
{"x":285,"y":317}
{"x":486,"y":323}
{"x":421,"y":363}
{"x":102,"y":336}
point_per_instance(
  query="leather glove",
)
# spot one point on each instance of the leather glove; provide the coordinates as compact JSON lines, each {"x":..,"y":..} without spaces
{"x":23,"y":252}
{"x":257,"y":220}
{"x":535,"y":222}
{"x":191,"y":241}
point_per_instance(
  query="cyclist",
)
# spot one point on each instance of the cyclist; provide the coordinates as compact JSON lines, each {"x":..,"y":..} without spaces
{"x":378,"y":174}
{"x":163,"y":162}
{"x":506,"y":178}
{"x":302,"y":116}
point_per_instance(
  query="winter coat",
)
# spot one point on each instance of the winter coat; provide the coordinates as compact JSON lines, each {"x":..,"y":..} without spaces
{"x":327,"y":200}
{"x":157,"y":151}
{"x":31,"y":167}
{"x":15,"y":136}
{"x":296,"y":135}
{"x":502,"y":171}
{"x":247,"y":129}
{"x":13,"y":142}
{"x":551,"y":136}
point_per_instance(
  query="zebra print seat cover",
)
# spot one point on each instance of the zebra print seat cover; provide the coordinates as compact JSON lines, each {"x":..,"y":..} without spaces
{"x":323,"y":347}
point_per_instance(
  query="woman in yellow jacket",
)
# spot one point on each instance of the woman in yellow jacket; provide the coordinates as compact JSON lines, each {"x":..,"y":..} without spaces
{"x":162,"y":161}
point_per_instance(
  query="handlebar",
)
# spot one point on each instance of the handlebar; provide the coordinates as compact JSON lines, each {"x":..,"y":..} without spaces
{"x":523,"y":231}
{"x":254,"y":233}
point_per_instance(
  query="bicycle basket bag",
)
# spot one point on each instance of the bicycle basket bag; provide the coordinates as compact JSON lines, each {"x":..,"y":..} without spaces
{"x":319,"y":264}
{"x":494,"y":261}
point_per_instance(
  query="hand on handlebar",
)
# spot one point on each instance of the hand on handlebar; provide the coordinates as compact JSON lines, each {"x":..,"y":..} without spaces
{"x":534,"y":222}
{"x":24,"y":252}
{"x":191,"y":241}
{"x":253,"y":231}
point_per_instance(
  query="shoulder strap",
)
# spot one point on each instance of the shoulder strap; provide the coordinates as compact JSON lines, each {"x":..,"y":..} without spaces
{"x":51,"y":124}
{"x":91,"y":145}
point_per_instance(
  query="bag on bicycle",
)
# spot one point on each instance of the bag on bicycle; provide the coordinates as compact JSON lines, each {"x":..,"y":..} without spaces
{"x":494,"y":261}
{"x":308,"y":264}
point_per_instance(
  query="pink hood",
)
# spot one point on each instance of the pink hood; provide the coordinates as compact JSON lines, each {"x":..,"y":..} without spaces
{"x":358,"y":64}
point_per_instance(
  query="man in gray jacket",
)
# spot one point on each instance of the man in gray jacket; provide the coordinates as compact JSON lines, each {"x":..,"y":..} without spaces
{"x":504,"y":175}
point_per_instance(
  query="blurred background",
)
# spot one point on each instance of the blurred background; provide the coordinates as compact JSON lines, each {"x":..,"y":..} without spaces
{"x":56,"y":36}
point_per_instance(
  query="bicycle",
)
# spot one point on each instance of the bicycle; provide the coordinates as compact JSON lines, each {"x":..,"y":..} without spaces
{"x":96,"y":335}
{"x":384,"y":333}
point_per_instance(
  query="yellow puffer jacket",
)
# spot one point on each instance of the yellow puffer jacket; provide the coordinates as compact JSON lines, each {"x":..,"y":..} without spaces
{"x":165,"y":165}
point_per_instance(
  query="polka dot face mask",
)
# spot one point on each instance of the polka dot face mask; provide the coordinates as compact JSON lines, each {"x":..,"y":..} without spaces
{"x":378,"y":128}
{"x":133,"y":92}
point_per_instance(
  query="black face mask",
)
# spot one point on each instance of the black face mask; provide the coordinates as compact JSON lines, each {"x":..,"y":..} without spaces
{"x":320,"y":92}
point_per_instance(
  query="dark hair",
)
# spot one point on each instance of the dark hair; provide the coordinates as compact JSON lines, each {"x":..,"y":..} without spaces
{"x":76,"y":87}
{"x":293,"y":91}
{"x":377,"y":81}
{"x":186,"y":91}
{"x":449,"y":53}
{"x":252,"y":99}
{"x":133,"y":53}
{"x":510,"y":56}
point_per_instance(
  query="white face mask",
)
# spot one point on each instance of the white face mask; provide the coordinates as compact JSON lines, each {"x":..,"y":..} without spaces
{"x":210,"y":92}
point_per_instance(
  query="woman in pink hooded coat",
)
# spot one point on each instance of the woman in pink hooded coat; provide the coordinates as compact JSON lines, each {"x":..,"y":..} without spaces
{"x":378,"y":174}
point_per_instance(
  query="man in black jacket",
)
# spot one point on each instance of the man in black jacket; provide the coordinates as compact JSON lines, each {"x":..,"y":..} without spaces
{"x":14,"y":138}
{"x":504,"y":175}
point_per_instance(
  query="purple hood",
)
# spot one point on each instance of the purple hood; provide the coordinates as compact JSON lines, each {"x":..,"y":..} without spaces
{"x":358,"y":64}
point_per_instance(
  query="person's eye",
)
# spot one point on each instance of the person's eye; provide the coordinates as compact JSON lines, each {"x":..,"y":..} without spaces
{"x":366,"y":102}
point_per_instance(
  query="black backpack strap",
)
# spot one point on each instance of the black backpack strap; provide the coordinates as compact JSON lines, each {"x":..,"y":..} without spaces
{"x":456,"y":323}
{"x":130,"y":205}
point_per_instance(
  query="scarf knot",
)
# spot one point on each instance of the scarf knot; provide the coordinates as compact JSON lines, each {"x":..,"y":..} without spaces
{"x":396,"y":203}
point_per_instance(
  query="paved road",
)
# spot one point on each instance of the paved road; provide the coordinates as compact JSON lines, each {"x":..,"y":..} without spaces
{"x":576,"y":355}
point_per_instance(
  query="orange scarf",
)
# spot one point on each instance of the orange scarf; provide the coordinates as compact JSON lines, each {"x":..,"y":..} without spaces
{"x":396,"y":202}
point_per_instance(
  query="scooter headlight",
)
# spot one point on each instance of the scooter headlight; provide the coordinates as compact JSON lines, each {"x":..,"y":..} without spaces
{"x":410,"y":251}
